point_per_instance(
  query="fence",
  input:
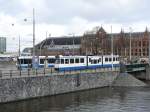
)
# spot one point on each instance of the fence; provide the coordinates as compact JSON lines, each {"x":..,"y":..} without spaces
{"x":49,"y":71}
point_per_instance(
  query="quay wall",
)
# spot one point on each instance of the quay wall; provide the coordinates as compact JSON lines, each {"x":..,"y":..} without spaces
{"x":14,"y":89}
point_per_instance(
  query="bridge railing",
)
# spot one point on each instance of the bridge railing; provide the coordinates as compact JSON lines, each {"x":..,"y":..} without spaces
{"x":49,"y":71}
{"x":135,"y":67}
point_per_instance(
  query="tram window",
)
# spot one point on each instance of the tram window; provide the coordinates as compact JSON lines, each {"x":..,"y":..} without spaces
{"x":117,"y":59}
{"x":21,"y":61}
{"x":57,"y":61}
{"x":106,"y":59}
{"x":113,"y":58}
{"x":89,"y":59}
{"x":62,"y":61}
{"x":77,"y":60}
{"x":110,"y":59}
{"x":81,"y":60}
{"x":66,"y":61}
{"x":41,"y":61}
{"x":27,"y":61}
{"x":71,"y":60}
{"x":51,"y":60}
{"x":99,"y":59}
{"x":95,"y":61}
{"x":92,"y":61}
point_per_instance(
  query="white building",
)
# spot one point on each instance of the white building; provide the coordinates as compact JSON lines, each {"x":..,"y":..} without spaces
{"x":2,"y":44}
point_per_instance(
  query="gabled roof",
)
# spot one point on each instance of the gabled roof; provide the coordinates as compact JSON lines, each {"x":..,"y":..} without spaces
{"x":61,"y":41}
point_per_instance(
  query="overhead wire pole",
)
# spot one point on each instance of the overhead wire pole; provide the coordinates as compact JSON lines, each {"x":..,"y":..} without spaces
{"x":149,"y":46}
{"x":111,"y":48}
{"x":73,"y":36}
{"x":73,"y":43}
{"x":19,"y":52}
{"x":19,"y":46}
{"x":130,"y":45}
{"x":33,"y":54}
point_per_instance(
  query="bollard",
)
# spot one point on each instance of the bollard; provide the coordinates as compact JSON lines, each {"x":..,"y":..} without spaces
{"x":0,"y":74}
{"x":44,"y":70}
{"x":20,"y":71}
{"x":10,"y":73}
{"x":51,"y":70}
{"x":78,"y":82}
{"x":36,"y":72}
{"x":28,"y":71}
{"x":64,"y":72}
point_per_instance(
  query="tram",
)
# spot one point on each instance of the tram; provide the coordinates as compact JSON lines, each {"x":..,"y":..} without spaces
{"x":24,"y":62}
{"x":64,"y":63}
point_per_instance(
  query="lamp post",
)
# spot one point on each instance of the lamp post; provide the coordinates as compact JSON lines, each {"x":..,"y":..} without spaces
{"x":33,"y":37}
{"x":19,"y":46}
{"x":73,"y":35}
{"x":130,"y":44}
{"x":149,"y":46}
{"x":112,"y":48}
{"x":34,"y":60}
{"x":18,"y":42}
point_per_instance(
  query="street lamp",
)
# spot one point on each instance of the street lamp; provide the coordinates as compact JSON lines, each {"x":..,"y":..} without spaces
{"x":18,"y":42}
{"x":130,"y":43}
{"x":34,"y":60}
{"x":73,"y":35}
{"x":149,"y":46}
{"x":112,"y":47}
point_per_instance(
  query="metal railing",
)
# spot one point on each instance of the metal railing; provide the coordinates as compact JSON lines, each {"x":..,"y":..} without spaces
{"x":49,"y":71}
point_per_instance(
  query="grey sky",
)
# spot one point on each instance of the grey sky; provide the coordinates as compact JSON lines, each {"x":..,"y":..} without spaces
{"x":61,"y":17}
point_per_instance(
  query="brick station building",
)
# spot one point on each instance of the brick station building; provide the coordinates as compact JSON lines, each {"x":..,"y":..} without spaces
{"x":97,"y":42}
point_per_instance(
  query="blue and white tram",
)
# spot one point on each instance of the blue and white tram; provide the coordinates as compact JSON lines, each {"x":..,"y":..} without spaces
{"x":51,"y":61}
{"x":94,"y":62}
{"x":64,"y":63}
{"x":109,"y":61}
{"x":41,"y":61}
{"x":24,"y":62}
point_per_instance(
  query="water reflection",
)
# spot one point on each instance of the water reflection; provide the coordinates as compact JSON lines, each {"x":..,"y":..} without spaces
{"x":96,"y":100}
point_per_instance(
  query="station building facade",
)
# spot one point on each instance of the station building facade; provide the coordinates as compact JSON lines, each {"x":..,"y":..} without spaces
{"x":97,"y":42}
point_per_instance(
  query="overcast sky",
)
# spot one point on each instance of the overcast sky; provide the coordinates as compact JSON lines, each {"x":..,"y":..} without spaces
{"x":64,"y":17}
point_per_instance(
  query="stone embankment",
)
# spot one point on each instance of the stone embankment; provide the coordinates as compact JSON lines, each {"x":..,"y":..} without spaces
{"x":20,"y":88}
{"x":14,"y":89}
{"x":127,"y":80}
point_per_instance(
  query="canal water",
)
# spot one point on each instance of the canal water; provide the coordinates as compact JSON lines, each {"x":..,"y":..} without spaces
{"x":96,"y":100}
